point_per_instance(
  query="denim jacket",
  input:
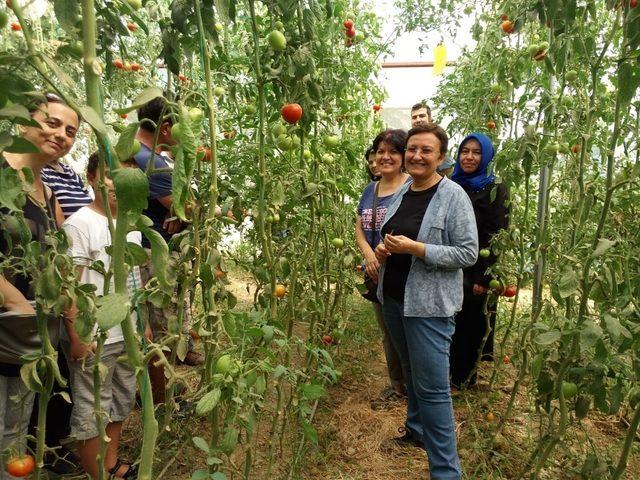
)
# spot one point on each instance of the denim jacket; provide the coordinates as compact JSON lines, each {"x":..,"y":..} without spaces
{"x":450,"y":235}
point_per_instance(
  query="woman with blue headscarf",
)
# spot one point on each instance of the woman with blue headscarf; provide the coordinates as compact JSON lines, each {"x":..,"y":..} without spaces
{"x":472,"y":173}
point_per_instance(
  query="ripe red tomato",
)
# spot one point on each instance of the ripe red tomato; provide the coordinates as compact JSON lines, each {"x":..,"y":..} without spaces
{"x":510,"y":291}
{"x":21,"y":466}
{"x":118,"y":63}
{"x":507,"y":26}
{"x":575,"y":148}
{"x":182,"y":77}
{"x":16,"y":27}
{"x":376,"y":108}
{"x":327,"y":340}
{"x":633,"y":3}
{"x":291,"y":113}
{"x":132,"y":26}
{"x":204,"y":154}
{"x":351,"y":32}
{"x":135,"y":66}
{"x":123,"y":115}
{"x":504,"y":17}
{"x":348,"y":24}
{"x":491,"y":124}
{"x":506,"y":360}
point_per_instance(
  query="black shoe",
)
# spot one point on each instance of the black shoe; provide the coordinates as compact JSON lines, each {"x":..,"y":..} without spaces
{"x":406,"y":440}
{"x":387,"y":399}
{"x":62,"y":462}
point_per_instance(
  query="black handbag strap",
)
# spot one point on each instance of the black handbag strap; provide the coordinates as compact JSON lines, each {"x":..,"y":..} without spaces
{"x":374,"y":213}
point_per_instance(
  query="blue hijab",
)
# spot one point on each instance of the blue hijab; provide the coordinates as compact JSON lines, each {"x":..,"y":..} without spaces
{"x":481,"y":177}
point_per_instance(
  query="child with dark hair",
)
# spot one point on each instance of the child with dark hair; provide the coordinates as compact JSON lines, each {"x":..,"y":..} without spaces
{"x":88,"y":231}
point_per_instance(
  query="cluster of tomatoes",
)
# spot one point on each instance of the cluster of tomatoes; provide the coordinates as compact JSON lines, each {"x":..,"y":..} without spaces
{"x":126,"y":66}
{"x":350,"y":32}
{"x":507,"y":26}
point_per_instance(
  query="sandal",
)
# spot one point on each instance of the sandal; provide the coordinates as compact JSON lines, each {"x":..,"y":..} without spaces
{"x":130,"y":473}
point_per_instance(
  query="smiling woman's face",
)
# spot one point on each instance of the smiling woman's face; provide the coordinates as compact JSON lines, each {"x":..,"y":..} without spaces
{"x":388,"y":160}
{"x":58,"y":133}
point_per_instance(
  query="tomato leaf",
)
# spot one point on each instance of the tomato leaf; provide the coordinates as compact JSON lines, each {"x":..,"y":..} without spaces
{"x":21,"y":145}
{"x":132,"y":189}
{"x":547,"y":338}
{"x":67,"y":12}
{"x":312,"y":391}
{"x":569,"y":282}
{"x":614,"y":327}
{"x":310,"y":433}
{"x":159,"y":254}
{"x":201,"y":443}
{"x":143,"y":98}
{"x":124,"y":147}
{"x":112,"y":310}
{"x":603,"y":245}
{"x":11,"y":194}
{"x":30,"y":377}
{"x":591,"y":332}
{"x":207,"y":403}
{"x":94,"y":119}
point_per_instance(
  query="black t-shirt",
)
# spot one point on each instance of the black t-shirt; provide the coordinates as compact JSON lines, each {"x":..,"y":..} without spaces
{"x":406,"y":221}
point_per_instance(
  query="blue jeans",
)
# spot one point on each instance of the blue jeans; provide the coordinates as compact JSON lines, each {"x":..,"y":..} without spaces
{"x":423,"y":346}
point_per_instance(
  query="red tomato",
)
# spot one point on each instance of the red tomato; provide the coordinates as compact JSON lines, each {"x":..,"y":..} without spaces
{"x":506,"y":360}
{"x":16,"y":27}
{"x":135,"y":66}
{"x":510,"y":291}
{"x":507,"y":26}
{"x":575,"y":148}
{"x":132,"y":26}
{"x":504,"y":17}
{"x":118,"y":63}
{"x":491,"y":124}
{"x":291,"y":113}
{"x":123,"y":115}
{"x":348,"y":24}
{"x":376,"y":108}
{"x":351,"y":32}
{"x":182,"y":77}
{"x":21,"y":466}
{"x":327,"y":340}
{"x":633,"y":3}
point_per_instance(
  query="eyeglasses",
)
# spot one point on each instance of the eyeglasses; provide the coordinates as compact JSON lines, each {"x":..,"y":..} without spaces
{"x":426,"y":151}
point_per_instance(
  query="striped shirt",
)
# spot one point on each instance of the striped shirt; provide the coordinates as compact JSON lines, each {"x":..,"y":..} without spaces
{"x":68,"y":188}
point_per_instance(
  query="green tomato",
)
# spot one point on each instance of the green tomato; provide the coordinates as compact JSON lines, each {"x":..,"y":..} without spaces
{"x":136,"y":147}
{"x":552,"y":148}
{"x":337,"y":242}
{"x":327,"y":158}
{"x":196,"y":114}
{"x":331,"y":141}
{"x":350,"y":15}
{"x":279,"y":25}
{"x":468,"y":10}
{"x":533,"y":49}
{"x":175,"y":131}
{"x":218,"y":91}
{"x":484,"y":253}
{"x":250,"y":109}
{"x":75,"y":48}
{"x":284,"y":142}
{"x":543,"y":45}
{"x":277,"y":41}
{"x":571,"y":76}
{"x":135,"y":4}
{"x":306,"y":154}
{"x":496,"y":88}
{"x":219,"y":27}
{"x":278,"y":129}
{"x":223,"y":364}
{"x":569,"y":389}
{"x":360,"y":36}
{"x":495,"y":284}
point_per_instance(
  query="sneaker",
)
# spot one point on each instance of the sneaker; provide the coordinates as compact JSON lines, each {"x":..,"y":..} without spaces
{"x":388,"y":398}
{"x":405,"y":441}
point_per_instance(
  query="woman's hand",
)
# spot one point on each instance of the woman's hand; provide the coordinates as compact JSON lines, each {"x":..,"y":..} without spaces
{"x":382,"y":253}
{"x":402,"y":244}
{"x":371,"y":267}
{"x":79,"y":351}
{"x":479,"y":289}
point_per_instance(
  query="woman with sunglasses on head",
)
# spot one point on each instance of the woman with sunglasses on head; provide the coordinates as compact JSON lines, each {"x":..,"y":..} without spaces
{"x":385,"y":156}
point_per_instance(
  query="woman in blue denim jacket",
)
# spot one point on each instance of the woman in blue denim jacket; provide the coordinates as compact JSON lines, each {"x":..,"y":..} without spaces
{"x":429,"y":235}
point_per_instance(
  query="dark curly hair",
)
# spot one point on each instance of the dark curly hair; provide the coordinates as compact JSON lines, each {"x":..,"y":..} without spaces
{"x":397,"y":138}
{"x":153,"y":111}
{"x":436,"y":130}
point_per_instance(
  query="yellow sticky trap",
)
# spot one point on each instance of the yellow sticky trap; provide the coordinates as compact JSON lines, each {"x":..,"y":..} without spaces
{"x":439,"y":59}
